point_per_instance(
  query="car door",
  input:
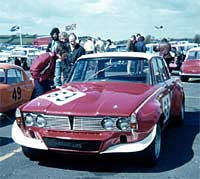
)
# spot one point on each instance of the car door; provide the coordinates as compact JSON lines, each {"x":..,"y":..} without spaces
{"x":161,"y":78}
{"x":15,"y":90}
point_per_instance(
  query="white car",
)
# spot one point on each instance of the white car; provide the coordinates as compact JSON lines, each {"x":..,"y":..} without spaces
{"x":23,"y":56}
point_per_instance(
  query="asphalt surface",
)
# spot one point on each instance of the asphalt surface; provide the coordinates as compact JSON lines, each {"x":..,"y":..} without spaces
{"x":180,"y":155}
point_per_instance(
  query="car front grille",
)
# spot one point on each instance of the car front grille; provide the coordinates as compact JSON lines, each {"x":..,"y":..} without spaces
{"x":72,"y":144}
{"x":57,"y":123}
{"x":69,"y":123}
{"x":75,"y":123}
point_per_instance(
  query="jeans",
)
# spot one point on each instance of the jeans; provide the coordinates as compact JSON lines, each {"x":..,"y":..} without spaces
{"x":58,"y":70}
{"x":40,"y":88}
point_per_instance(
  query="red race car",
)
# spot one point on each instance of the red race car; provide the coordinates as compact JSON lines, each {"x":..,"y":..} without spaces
{"x":115,"y":102}
{"x":15,"y":87}
{"x":191,"y":65}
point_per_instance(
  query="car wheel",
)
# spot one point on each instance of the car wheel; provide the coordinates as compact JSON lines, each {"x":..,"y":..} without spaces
{"x":178,"y":121}
{"x":184,"y":78}
{"x":152,"y":153}
{"x":33,"y":154}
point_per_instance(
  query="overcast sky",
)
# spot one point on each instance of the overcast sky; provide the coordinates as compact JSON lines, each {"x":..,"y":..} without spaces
{"x":115,"y":19}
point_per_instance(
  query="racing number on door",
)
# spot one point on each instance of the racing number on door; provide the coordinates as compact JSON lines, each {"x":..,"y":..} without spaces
{"x":17,"y":93}
{"x":166,"y":105}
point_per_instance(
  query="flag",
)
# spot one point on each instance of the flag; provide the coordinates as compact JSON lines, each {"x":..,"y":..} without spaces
{"x":70,"y":27}
{"x":14,"y":28}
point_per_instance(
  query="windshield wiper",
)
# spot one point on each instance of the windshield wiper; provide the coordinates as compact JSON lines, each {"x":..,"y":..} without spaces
{"x":98,"y":72}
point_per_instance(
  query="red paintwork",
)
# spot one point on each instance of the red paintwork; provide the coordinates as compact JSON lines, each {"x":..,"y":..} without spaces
{"x":41,"y":41}
{"x":98,"y":101}
{"x":191,"y":66}
{"x":107,"y":138}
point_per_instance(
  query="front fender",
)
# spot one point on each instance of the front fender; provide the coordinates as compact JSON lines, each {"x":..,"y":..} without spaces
{"x":149,"y":115}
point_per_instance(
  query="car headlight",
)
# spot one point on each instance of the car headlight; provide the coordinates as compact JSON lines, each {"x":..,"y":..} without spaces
{"x":108,"y":123}
{"x":29,"y":120}
{"x":123,"y":123}
{"x":40,"y":121}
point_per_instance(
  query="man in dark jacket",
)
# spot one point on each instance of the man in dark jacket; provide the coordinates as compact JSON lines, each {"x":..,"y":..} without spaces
{"x":140,"y":45}
{"x":75,"y":51}
{"x":43,"y":69}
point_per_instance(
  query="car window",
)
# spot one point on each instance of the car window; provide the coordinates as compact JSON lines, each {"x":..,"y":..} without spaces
{"x":2,"y":75}
{"x":193,"y":55}
{"x":112,"y":69}
{"x":156,"y":72}
{"x":14,"y":76}
{"x":162,"y":69}
{"x":159,"y":69}
{"x":198,"y":55}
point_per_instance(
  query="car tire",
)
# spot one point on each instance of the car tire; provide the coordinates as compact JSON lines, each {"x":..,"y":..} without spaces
{"x":184,"y":78}
{"x":152,"y":153}
{"x":178,"y":120}
{"x":33,"y":154}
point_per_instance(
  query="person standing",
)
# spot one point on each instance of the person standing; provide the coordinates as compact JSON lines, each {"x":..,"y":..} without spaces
{"x":43,"y":69}
{"x":52,"y":46}
{"x":164,"y":51}
{"x":89,"y":46}
{"x":99,"y":45}
{"x":75,"y":50}
{"x":140,"y":45}
{"x":60,"y":63}
{"x":131,"y":44}
{"x":54,"y":40}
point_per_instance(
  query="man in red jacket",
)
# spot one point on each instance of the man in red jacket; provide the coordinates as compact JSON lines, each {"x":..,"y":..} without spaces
{"x":43,"y":69}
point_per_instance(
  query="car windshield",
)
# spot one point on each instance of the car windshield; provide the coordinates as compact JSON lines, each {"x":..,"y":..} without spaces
{"x":111,"y":69}
{"x":194,"y":55}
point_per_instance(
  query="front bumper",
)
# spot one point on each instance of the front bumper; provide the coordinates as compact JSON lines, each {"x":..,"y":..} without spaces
{"x":133,"y":147}
{"x":19,"y":138}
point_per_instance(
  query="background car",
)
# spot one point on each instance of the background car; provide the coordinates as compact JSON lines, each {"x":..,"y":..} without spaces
{"x":15,"y":87}
{"x":178,"y":51}
{"x":116,"y":102}
{"x":23,"y":56}
{"x":191,"y":65}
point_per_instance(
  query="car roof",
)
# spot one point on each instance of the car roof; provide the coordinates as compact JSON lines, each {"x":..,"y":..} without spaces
{"x":119,"y":54}
{"x":194,"y":49}
{"x":8,"y":66}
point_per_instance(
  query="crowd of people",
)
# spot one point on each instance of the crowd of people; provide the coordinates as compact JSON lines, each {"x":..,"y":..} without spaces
{"x":52,"y":68}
